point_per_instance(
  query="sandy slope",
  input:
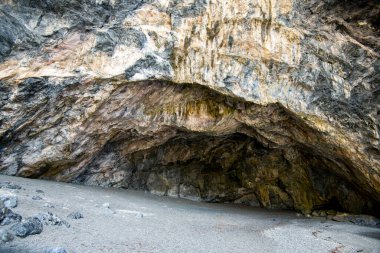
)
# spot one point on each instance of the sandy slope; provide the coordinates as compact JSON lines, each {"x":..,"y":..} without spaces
{"x":139,"y":222}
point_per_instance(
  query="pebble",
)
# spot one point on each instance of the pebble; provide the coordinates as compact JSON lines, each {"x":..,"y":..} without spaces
{"x":75,"y":215}
{"x":36,"y":198}
{"x":30,"y":226}
{"x":5,"y":235}
{"x":10,"y":201}
{"x":48,"y":205}
{"x":109,"y":210}
{"x":140,"y":215}
{"x":55,"y":250}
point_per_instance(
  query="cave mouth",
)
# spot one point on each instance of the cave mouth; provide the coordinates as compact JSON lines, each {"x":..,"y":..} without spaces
{"x":232,"y":168}
{"x":187,"y":141}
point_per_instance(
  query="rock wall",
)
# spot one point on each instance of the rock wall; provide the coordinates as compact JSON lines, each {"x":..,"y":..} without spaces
{"x":272,"y":103}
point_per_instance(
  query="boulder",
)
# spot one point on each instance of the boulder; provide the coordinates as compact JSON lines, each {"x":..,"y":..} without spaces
{"x":29,"y":226}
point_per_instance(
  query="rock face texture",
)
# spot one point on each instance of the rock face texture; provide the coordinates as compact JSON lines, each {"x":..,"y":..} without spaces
{"x":264,"y":102}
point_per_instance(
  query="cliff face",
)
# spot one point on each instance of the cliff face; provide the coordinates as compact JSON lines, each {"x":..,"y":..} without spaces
{"x":266,"y":102}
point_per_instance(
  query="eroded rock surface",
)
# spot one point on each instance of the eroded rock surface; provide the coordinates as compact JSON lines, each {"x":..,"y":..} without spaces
{"x":272,"y":103}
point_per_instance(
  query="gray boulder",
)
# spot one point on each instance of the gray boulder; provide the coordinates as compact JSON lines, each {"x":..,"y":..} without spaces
{"x":30,"y":226}
{"x":9,"y":201}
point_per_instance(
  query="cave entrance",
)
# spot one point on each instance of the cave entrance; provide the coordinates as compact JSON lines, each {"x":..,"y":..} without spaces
{"x":190,"y":141}
{"x":233,"y":168}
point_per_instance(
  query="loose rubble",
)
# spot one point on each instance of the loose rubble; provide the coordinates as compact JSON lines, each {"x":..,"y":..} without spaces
{"x":51,"y":219}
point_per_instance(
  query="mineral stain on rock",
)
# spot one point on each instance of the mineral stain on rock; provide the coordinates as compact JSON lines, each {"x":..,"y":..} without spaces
{"x":269,"y":103}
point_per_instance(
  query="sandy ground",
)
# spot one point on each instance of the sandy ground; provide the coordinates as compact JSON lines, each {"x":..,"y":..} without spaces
{"x":140,"y":222}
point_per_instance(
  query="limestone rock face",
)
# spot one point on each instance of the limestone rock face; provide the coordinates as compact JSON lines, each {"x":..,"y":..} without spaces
{"x":264,"y":102}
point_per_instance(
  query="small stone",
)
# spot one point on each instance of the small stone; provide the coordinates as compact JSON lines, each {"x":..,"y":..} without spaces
{"x":75,"y":215}
{"x":10,"y":201}
{"x":140,"y":215}
{"x":39,"y":191}
{"x":308,"y":216}
{"x":30,"y":226}
{"x":315,"y":214}
{"x":106,"y":205}
{"x":36,"y":198}
{"x":341,"y":217}
{"x":55,"y":250}
{"x":322,"y":213}
{"x":5,"y":236}
{"x":298,"y":214}
{"x":48,"y":205}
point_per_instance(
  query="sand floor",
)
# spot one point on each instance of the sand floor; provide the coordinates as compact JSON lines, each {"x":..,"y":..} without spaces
{"x":140,"y":222}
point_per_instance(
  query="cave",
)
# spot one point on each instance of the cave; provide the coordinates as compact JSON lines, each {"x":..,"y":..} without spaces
{"x":188,"y":141}
{"x":233,"y":168}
